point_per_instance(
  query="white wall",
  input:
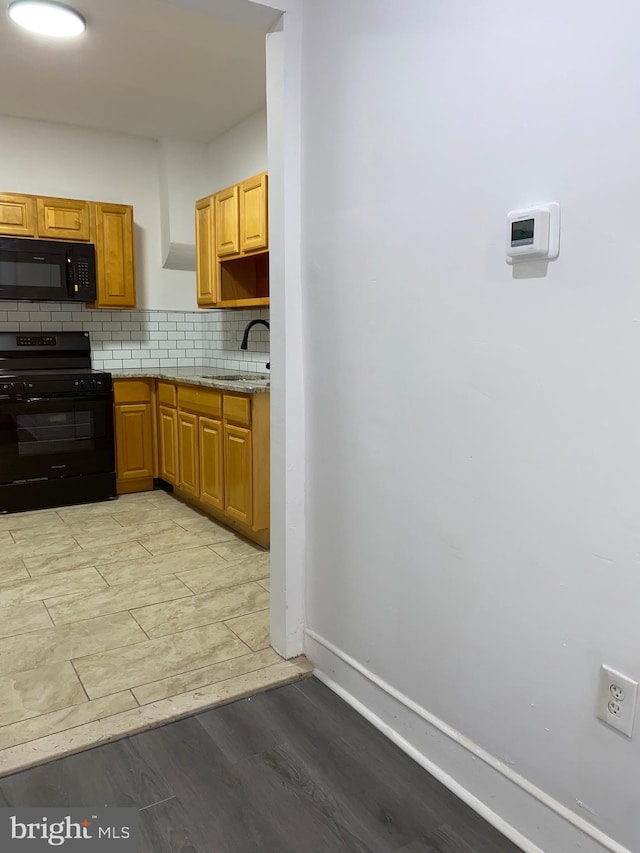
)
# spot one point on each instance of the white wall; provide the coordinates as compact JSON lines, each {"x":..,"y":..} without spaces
{"x":288,"y":459}
{"x":237,"y":154}
{"x":182,"y":177}
{"x":473,"y":458}
{"x":60,"y":160}
{"x":190,"y":170}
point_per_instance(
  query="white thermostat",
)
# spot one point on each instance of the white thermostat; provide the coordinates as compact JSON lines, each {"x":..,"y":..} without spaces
{"x":534,"y":234}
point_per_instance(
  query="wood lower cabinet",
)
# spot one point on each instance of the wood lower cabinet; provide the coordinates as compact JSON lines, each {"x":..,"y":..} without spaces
{"x":135,"y":452}
{"x":168,"y":444}
{"x":238,"y":487}
{"x":214,"y":448}
{"x":108,"y":226}
{"x":212,"y":482}
{"x":188,"y":453}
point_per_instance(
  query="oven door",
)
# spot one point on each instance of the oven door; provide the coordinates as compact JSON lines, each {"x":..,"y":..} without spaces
{"x":51,"y":437}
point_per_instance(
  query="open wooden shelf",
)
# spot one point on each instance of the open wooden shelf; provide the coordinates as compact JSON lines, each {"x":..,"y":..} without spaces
{"x":260,"y":302}
{"x":244,"y":282}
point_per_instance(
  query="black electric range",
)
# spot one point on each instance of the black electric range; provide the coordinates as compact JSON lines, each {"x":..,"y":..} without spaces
{"x":56,"y":422}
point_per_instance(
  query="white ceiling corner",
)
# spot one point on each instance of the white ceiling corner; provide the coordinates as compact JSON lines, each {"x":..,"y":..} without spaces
{"x":259,"y":16}
{"x":188,"y":69}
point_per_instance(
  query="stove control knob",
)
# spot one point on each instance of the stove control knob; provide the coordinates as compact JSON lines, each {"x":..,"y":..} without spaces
{"x":19,"y":387}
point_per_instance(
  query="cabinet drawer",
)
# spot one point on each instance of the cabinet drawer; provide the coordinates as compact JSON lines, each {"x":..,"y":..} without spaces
{"x":237,"y":409}
{"x":131,"y":391}
{"x":206,"y":401}
{"x":167,"y":394}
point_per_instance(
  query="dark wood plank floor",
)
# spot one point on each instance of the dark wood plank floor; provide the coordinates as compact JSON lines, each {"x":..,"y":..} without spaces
{"x":294,"y":770}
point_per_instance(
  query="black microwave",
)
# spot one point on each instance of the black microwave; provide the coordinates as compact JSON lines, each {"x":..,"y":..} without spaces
{"x":47,"y":270}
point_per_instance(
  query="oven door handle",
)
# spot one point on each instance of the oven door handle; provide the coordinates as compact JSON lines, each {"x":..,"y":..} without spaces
{"x":101,"y":396}
{"x":46,"y":399}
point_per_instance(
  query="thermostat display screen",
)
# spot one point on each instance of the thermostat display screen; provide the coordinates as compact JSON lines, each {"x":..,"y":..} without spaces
{"x":522,"y":232}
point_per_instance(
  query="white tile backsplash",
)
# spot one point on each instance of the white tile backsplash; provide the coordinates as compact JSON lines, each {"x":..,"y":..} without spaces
{"x":151,"y":338}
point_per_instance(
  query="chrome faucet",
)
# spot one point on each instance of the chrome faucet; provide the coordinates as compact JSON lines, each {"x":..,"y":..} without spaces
{"x":245,"y":337}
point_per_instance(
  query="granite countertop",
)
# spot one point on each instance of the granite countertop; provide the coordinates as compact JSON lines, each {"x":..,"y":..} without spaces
{"x":208,"y":377}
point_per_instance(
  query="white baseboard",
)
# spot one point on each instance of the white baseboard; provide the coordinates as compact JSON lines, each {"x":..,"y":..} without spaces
{"x":522,"y":812}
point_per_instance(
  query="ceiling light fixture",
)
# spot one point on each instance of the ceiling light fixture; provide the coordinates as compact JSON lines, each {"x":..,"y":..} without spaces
{"x":47,"y":18}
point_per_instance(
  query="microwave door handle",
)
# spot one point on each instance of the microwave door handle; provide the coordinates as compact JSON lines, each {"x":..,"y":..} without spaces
{"x":69,"y":271}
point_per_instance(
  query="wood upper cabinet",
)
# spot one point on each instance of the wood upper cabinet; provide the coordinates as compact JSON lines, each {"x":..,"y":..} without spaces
{"x":17,"y":215}
{"x":254,"y":231}
{"x":227,"y":222}
{"x":108,"y":226}
{"x":188,"y":453}
{"x":206,"y":278}
{"x":211,"y":470}
{"x":112,"y":232}
{"x":63,"y":219}
{"x":168,"y":444}
{"x":232,"y":241}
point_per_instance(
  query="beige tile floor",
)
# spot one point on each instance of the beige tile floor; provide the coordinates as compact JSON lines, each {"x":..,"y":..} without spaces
{"x":122,"y":615}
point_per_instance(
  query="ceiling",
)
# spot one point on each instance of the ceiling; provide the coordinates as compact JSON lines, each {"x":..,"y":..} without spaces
{"x":149,"y":68}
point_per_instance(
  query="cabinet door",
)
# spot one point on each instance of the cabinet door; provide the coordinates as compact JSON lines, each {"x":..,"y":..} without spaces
{"x":17,"y":215}
{"x":205,"y":252}
{"x":211,"y":479}
{"x":112,"y":226}
{"x":168,"y":444}
{"x":253,"y":214}
{"x":188,"y":453}
{"x":134,"y":441}
{"x":238,"y":477}
{"x":227,"y":222}
{"x":63,"y":219}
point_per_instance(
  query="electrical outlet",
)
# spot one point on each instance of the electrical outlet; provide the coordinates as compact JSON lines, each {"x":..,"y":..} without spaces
{"x":617,"y":692}
{"x":617,"y":698}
